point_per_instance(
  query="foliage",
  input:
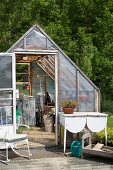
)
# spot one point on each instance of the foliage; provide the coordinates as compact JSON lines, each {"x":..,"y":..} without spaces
{"x":110,"y":121}
{"x":107,"y":105}
{"x":82,"y":28}
{"x":100,"y":136}
{"x":69,"y":103}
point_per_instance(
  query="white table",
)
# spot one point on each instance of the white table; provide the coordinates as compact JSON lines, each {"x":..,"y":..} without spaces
{"x":77,"y":121}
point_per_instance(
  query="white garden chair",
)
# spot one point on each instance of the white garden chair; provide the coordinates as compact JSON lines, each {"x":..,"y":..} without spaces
{"x":10,"y":141}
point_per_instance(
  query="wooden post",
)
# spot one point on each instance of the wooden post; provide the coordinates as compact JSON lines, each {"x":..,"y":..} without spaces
{"x":30,"y":79}
{"x":56,"y":98}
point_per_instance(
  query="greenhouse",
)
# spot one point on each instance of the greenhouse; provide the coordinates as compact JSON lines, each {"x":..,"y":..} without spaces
{"x":36,"y":76}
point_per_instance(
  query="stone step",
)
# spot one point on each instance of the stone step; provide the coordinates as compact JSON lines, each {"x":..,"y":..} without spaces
{"x":37,"y":135}
{"x":45,"y":140}
{"x":41,"y":136}
{"x":40,"y":133}
{"x":36,"y":129}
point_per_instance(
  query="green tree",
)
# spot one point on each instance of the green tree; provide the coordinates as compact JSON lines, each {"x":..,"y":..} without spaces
{"x":82,"y":28}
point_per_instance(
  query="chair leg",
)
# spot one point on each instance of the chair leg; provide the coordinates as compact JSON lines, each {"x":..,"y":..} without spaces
{"x":29,"y":154}
{"x":6,"y":155}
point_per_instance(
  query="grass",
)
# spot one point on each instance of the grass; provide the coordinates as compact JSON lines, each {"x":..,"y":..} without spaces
{"x":100,"y":136}
{"x":110,"y":121}
{"x":22,"y":129}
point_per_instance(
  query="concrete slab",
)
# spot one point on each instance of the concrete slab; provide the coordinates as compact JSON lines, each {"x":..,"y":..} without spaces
{"x":52,"y":158}
{"x":55,"y":163}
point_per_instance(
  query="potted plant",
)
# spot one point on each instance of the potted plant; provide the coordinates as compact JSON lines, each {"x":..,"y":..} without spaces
{"x":68,"y":106}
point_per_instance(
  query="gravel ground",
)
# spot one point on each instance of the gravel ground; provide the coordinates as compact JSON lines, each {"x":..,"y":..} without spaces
{"x":52,"y":152}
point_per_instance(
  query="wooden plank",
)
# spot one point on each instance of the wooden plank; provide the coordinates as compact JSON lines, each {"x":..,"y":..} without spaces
{"x":107,"y":153}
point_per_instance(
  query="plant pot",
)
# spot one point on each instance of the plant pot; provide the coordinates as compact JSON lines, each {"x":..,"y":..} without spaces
{"x":68,"y":110}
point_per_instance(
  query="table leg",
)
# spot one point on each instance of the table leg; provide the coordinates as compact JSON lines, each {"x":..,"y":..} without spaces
{"x":64,"y":140}
{"x":106,"y":133}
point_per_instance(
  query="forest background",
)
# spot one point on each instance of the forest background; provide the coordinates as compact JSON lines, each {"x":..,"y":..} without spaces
{"x":82,"y":28}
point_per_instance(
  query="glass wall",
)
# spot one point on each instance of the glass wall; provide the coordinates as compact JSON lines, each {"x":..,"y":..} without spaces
{"x":72,"y":83}
{"x":67,"y":79}
{"x":36,"y":40}
{"x":86,"y":94}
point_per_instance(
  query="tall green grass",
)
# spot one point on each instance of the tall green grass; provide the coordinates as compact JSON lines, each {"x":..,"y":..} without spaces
{"x":110,"y":121}
{"x":100,"y":136}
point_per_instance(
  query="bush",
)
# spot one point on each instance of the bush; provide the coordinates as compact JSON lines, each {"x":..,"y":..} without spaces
{"x":100,"y":137}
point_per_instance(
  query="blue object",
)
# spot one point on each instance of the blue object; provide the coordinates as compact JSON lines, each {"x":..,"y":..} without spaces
{"x":76,"y":149}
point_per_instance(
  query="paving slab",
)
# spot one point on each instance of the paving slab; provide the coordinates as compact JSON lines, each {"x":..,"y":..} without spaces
{"x":52,"y":158}
{"x":56,"y":163}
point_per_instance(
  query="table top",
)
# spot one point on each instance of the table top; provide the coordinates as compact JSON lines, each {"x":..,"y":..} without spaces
{"x":84,"y":114}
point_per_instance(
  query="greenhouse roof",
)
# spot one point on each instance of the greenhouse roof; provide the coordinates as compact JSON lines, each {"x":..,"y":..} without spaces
{"x":36,"y":41}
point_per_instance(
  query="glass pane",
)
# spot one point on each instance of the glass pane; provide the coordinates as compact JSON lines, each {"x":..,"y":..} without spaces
{"x":51,"y":88}
{"x":36,"y":40}
{"x":6,"y":110}
{"x":20,"y":45}
{"x":6,"y":115}
{"x":21,"y":77}
{"x":38,"y":84}
{"x":51,"y":46}
{"x":5,"y":71}
{"x":67,"y":79}
{"x":26,"y":107}
{"x":6,"y":98}
{"x":86,"y":95}
{"x":23,"y":88}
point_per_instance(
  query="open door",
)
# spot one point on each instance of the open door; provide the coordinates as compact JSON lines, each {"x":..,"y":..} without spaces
{"x":8,"y":92}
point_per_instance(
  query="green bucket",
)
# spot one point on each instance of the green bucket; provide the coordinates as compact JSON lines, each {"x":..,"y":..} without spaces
{"x":76,"y":149}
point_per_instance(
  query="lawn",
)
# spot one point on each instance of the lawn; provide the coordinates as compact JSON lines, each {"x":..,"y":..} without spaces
{"x":110,"y":121}
{"x":100,"y":136}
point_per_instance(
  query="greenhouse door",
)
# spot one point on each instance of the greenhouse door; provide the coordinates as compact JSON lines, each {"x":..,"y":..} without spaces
{"x":7,"y":92}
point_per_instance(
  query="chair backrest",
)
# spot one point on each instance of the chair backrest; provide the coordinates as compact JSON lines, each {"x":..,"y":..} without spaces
{"x":87,"y":137}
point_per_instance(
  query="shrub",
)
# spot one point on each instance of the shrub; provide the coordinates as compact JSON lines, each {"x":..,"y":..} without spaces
{"x":100,"y":137}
